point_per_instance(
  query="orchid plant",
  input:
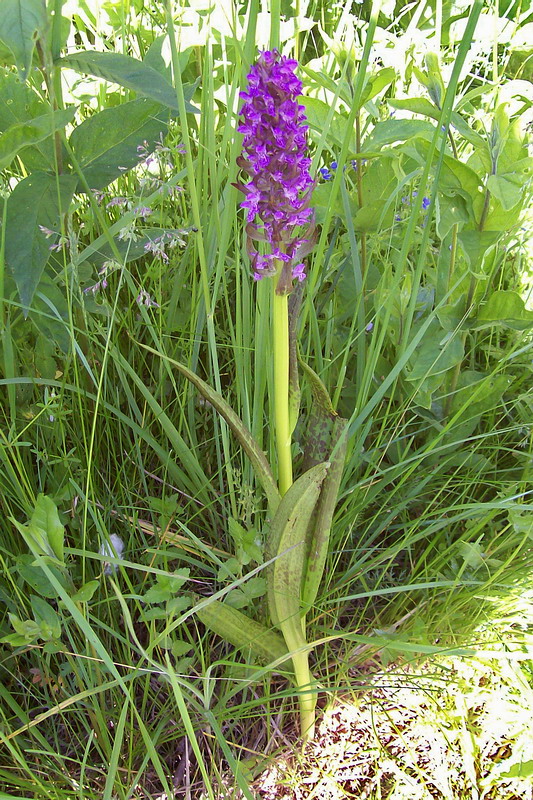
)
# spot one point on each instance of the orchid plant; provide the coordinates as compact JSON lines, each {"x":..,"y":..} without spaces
{"x":279,"y":233}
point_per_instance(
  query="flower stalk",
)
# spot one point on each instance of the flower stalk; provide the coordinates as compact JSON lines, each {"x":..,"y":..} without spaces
{"x":280,"y":331}
{"x":279,"y":230}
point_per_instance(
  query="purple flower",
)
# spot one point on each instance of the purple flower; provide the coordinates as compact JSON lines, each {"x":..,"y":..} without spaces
{"x":278,"y":194}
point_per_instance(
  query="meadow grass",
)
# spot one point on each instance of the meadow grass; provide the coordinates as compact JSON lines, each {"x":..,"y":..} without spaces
{"x":133,"y":696}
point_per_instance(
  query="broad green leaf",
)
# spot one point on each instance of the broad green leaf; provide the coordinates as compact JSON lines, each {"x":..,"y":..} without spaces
{"x":37,"y":579}
{"x":397,"y":130}
{"x":475,"y":245}
{"x":417,"y":105}
{"x":26,"y":632}
{"x":317,"y":113}
{"x":379,"y":184}
{"x":27,"y":133}
{"x":241,"y":432}
{"x":34,"y":537}
{"x":19,"y":103}
{"x":450,"y":211}
{"x":34,"y":202}
{"x":508,"y":189}
{"x":437,"y":353}
{"x":242,"y":631}
{"x":21,"y":22}
{"x":288,"y":544}
{"x":105,"y":145}
{"x":45,"y":516}
{"x":130,"y":73}
{"x":507,"y":309}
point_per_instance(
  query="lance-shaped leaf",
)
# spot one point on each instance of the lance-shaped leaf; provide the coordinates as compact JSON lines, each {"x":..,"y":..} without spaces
{"x":27,"y":133}
{"x":105,"y":145}
{"x":36,"y":201}
{"x":241,"y":432}
{"x":287,"y":544}
{"x":323,"y":516}
{"x":130,"y":73}
{"x":243,"y":632}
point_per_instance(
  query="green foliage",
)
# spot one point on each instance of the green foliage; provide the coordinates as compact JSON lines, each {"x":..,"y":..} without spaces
{"x":135,"y":371}
{"x":21,"y":24}
{"x":127,"y":72}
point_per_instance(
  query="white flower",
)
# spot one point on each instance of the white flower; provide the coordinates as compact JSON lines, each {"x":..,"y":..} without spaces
{"x":111,"y":549}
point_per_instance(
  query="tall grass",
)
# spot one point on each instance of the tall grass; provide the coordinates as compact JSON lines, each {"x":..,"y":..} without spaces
{"x":135,"y":697}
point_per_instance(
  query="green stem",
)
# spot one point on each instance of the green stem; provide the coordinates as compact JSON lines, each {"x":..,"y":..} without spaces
{"x":280,"y":326}
{"x":307,"y":696}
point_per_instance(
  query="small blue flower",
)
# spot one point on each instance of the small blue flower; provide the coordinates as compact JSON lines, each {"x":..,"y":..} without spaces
{"x":425,"y":203}
{"x":326,"y":174}
{"x":333,"y":165}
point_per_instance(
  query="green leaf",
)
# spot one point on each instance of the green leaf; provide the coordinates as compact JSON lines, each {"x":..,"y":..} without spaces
{"x":521,"y":769}
{"x":323,"y":516}
{"x":438,"y":352}
{"x":417,"y":105}
{"x":36,"y":578}
{"x":397,"y":130}
{"x":45,"y":517}
{"x":242,"y":631}
{"x":21,"y":22}
{"x":130,"y":73}
{"x":475,"y":395}
{"x":86,"y":592}
{"x":507,"y":309}
{"x":26,"y":632}
{"x":50,"y":313}
{"x":376,"y":83}
{"x":18,"y":104}
{"x":320,"y":422}
{"x":475,"y":245}
{"x":46,"y":618}
{"x":508,"y":189}
{"x":318,"y":112}
{"x":105,"y":145}
{"x":27,"y":133}
{"x":166,"y":587}
{"x":288,"y":543}
{"x":34,"y":202}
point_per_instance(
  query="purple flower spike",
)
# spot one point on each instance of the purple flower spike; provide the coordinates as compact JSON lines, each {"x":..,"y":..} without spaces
{"x":278,"y":194}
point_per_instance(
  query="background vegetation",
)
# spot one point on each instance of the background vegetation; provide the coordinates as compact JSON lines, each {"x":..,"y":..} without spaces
{"x":122,"y":492}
